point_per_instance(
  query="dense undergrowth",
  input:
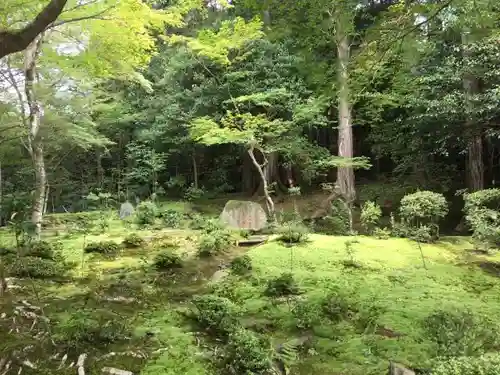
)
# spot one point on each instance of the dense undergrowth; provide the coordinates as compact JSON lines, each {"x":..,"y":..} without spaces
{"x":157,"y":299}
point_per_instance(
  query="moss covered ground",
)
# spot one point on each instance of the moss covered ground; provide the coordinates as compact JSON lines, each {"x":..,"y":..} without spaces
{"x":388,"y":290}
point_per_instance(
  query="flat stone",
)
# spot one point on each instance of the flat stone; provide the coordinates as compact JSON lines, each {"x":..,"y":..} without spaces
{"x":253,"y":240}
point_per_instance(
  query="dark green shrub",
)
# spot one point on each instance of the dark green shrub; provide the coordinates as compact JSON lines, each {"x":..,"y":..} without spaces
{"x":133,"y":240}
{"x":331,"y":225}
{"x":370,"y":216}
{"x":382,"y":233}
{"x":284,"y":285}
{"x":488,"y":364}
{"x":109,"y":248}
{"x":7,"y":251}
{"x":241,"y":265}
{"x":146,"y":213}
{"x":246,"y":353}
{"x":293,"y":233}
{"x":461,"y":333}
{"x":197,"y":221}
{"x":216,"y":314}
{"x":172,"y":218}
{"x":37,"y":268}
{"x":307,"y":314}
{"x":167,"y":260}
{"x":43,"y":249}
{"x":482,"y":213}
{"x":89,"y":327}
{"x":214,"y":243}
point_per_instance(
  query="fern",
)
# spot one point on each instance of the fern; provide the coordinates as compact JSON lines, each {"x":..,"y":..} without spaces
{"x":287,"y":354}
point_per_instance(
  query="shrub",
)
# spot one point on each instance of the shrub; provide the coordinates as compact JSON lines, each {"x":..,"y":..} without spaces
{"x":146,"y":213}
{"x":488,"y":364}
{"x":96,"y":328}
{"x":423,"y":207}
{"x":382,"y":233}
{"x":214,"y":243}
{"x":293,"y":233}
{"x":284,"y":285}
{"x":246,"y":353}
{"x":167,"y":260}
{"x":109,"y":248}
{"x":370,"y":216}
{"x":43,"y":249}
{"x":193,"y":193}
{"x":307,"y":314}
{"x":461,"y":333}
{"x":197,"y":221}
{"x":241,"y":265}
{"x":172,"y":218}
{"x":133,"y":240}
{"x":482,"y":213}
{"x":216,"y":314}
{"x":37,"y":268}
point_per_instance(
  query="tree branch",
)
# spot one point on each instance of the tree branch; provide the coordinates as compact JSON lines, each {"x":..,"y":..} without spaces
{"x":12,"y":41}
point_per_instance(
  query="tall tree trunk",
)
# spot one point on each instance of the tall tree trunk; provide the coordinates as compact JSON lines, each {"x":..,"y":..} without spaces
{"x":100,"y":169}
{"x":269,"y":200}
{"x":195,"y":169}
{"x":35,"y":142}
{"x":345,"y":174}
{"x":247,"y":176}
{"x":473,"y":131}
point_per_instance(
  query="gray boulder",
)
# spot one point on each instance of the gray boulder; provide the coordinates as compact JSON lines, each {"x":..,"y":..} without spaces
{"x":126,"y":210}
{"x":243,"y":215}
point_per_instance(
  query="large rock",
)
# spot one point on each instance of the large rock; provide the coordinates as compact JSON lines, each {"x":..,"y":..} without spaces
{"x":126,"y":210}
{"x":244,"y":215}
{"x":398,"y":369}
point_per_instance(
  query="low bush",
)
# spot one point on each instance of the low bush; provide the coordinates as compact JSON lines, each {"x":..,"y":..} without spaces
{"x":370,"y":216}
{"x":43,"y":249}
{"x":35,"y":267}
{"x":461,"y":333}
{"x":146,"y":213}
{"x":382,"y":233}
{"x":108,"y":248}
{"x":133,"y":240}
{"x":214,"y":243}
{"x":247,"y":353}
{"x":293,"y":233}
{"x":331,"y":225}
{"x":167,"y":260}
{"x":215,"y":314}
{"x":172,"y":218}
{"x":241,"y":265}
{"x":482,"y":213}
{"x":91,"y":327}
{"x":488,"y":364}
{"x":307,"y":314}
{"x":283,"y":285}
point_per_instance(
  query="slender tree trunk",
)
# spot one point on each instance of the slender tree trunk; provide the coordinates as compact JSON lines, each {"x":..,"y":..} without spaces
{"x":247,"y":176}
{"x":35,"y":142}
{"x":195,"y":170}
{"x":345,"y":174}
{"x":269,"y":200}
{"x":474,"y":133}
{"x":100,"y":169}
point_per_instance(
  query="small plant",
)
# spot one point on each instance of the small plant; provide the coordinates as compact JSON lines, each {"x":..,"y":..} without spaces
{"x":167,"y":260}
{"x":461,"y":333}
{"x":109,"y":248}
{"x":214,"y":243}
{"x":246,"y":353}
{"x":216,"y":314}
{"x":89,"y":327}
{"x":293,"y":233}
{"x":133,"y":241}
{"x":146,"y":213}
{"x":193,"y":193}
{"x":284,"y":285}
{"x":370,"y":216}
{"x":42,"y":249}
{"x":241,"y":265}
{"x":172,"y":218}
{"x":351,"y":252}
{"x":382,"y":233}
{"x":482,"y":213}
{"x":37,"y":268}
{"x":307,"y":314}
{"x":488,"y":364}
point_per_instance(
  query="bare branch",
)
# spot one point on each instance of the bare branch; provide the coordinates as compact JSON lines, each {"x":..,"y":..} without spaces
{"x":83,"y":18}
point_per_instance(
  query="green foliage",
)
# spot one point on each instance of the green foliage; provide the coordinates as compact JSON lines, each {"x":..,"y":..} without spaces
{"x":488,"y":364}
{"x":293,"y":233}
{"x":167,"y":260}
{"x":482,"y":212}
{"x":246,"y":353}
{"x":370,"y":216}
{"x":382,"y":233}
{"x":461,"y":333}
{"x":146,"y":213}
{"x":34,"y":267}
{"x":423,"y":207}
{"x":42,"y":249}
{"x":193,"y":193}
{"x":214,"y":243}
{"x":215,"y":314}
{"x":172,"y":218}
{"x":283,"y":285}
{"x":241,"y":265}
{"x":91,"y":327}
{"x":307,"y":314}
{"x":133,"y":241}
{"x":108,"y":248}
